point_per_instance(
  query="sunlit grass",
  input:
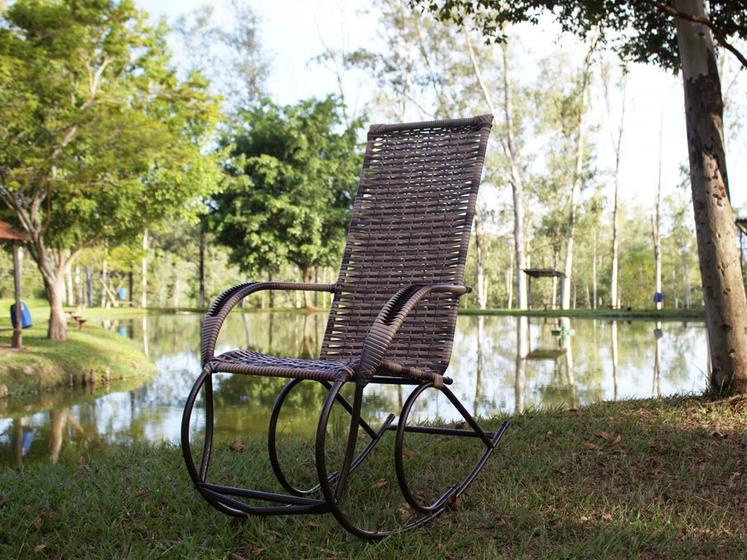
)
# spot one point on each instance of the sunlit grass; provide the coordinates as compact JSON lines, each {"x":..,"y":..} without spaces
{"x":638,"y":479}
{"x":45,"y":364}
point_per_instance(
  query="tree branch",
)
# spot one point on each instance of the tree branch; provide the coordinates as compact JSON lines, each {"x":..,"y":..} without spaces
{"x":717,"y":34}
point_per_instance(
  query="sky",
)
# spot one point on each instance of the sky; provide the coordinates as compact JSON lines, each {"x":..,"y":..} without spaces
{"x":292,"y":32}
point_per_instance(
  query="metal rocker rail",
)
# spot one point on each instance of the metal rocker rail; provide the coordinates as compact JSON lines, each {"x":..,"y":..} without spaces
{"x":328,"y":492}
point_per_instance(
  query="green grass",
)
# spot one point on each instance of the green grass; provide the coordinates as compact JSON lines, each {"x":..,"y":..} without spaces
{"x":46,"y":364}
{"x":638,"y":479}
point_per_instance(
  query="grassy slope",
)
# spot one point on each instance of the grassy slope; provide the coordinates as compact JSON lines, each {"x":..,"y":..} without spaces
{"x":639,"y":479}
{"x":45,"y":364}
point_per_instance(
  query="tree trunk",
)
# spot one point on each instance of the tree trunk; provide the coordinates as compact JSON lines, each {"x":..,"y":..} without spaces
{"x":54,"y":286}
{"x":720,"y":269}
{"x":17,"y":341}
{"x":89,"y":285}
{"x":308,"y":277}
{"x":144,"y":273}
{"x":201,"y":278}
{"x":510,"y":282}
{"x":656,"y":229}
{"x":104,"y":283}
{"x":580,"y":145}
{"x":480,"y":292}
{"x":594,"y":271}
{"x":616,"y":145}
{"x":511,"y":151}
{"x":78,"y":288}
{"x":69,"y":294}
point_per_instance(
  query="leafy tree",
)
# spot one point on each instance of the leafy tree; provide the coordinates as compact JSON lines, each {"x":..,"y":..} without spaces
{"x":100,"y":139}
{"x":675,"y":34}
{"x":292,"y":176}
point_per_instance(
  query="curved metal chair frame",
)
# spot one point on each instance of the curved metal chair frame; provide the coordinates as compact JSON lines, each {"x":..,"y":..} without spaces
{"x":392,"y":321}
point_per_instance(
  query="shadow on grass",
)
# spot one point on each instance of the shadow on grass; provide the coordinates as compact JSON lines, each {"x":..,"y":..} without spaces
{"x":643,"y":479}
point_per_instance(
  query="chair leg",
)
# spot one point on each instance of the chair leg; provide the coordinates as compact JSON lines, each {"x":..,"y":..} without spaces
{"x":490,"y":439}
{"x":272,"y":438}
{"x":199,"y":478}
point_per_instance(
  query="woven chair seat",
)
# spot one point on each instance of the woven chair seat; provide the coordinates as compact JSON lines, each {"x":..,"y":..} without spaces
{"x":249,"y":362}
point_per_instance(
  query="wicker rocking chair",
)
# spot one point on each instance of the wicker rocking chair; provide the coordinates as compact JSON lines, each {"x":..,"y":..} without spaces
{"x":392,"y":320}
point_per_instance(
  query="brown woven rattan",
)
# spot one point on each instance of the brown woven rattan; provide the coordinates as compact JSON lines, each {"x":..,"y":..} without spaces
{"x":410,"y":229}
{"x":392,"y":318}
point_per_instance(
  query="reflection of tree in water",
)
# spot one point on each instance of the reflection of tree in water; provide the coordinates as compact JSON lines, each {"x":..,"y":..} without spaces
{"x":489,"y":364}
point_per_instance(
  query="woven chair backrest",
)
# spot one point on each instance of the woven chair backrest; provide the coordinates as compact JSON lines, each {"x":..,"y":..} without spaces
{"x":411,"y":224}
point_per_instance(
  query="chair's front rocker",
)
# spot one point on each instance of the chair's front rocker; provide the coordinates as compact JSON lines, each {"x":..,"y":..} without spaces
{"x":331,"y":485}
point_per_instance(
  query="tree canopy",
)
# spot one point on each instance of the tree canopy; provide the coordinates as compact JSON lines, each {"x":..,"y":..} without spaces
{"x":639,"y":31}
{"x":100,"y":137}
{"x":292,"y":174}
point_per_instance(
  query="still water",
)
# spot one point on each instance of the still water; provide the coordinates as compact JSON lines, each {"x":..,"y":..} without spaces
{"x":499,"y":364}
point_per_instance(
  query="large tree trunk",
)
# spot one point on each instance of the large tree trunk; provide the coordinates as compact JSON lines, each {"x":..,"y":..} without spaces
{"x":308,"y":278}
{"x":720,"y":268}
{"x":54,"y":286}
{"x":51,"y":270}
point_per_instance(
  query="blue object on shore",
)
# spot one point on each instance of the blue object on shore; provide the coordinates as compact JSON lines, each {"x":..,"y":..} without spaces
{"x":658,"y":297}
{"x":122,"y":294}
{"x":25,"y":316}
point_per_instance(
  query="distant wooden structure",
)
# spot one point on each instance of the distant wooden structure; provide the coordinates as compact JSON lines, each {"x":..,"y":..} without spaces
{"x":12,"y":236}
{"x":543,"y":273}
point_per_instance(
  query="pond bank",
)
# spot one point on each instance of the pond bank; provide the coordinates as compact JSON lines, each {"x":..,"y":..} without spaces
{"x":654,"y":478}
{"x":91,"y":357}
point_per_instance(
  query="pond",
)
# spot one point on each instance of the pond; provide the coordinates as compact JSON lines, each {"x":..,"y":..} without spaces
{"x":499,"y":364}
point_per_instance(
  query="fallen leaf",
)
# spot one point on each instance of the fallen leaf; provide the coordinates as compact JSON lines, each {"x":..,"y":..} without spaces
{"x":237,"y":446}
{"x":408,"y":453}
{"x":456,"y":503}
{"x":589,"y":445}
{"x":617,"y":439}
{"x":607,"y":517}
{"x":381,"y":483}
{"x":313,"y":524}
{"x":39,"y":547}
{"x":717,"y":434}
{"x":25,"y":508}
{"x":603,"y":435}
{"x":460,"y":425}
{"x":38,"y":522}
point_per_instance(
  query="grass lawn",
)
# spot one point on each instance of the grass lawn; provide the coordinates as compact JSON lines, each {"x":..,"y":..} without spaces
{"x":637,"y":479}
{"x":46,"y":364}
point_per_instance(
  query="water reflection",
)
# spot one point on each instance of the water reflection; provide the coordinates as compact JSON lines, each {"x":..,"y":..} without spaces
{"x":500,"y":364}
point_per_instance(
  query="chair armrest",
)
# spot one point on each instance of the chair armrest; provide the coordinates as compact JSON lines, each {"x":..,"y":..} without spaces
{"x":390,"y":319}
{"x":224,"y":303}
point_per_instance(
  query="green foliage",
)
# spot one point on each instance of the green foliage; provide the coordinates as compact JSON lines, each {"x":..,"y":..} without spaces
{"x":292,"y":177}
{"x":100,"y":138}
{"x":637,"y":31}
